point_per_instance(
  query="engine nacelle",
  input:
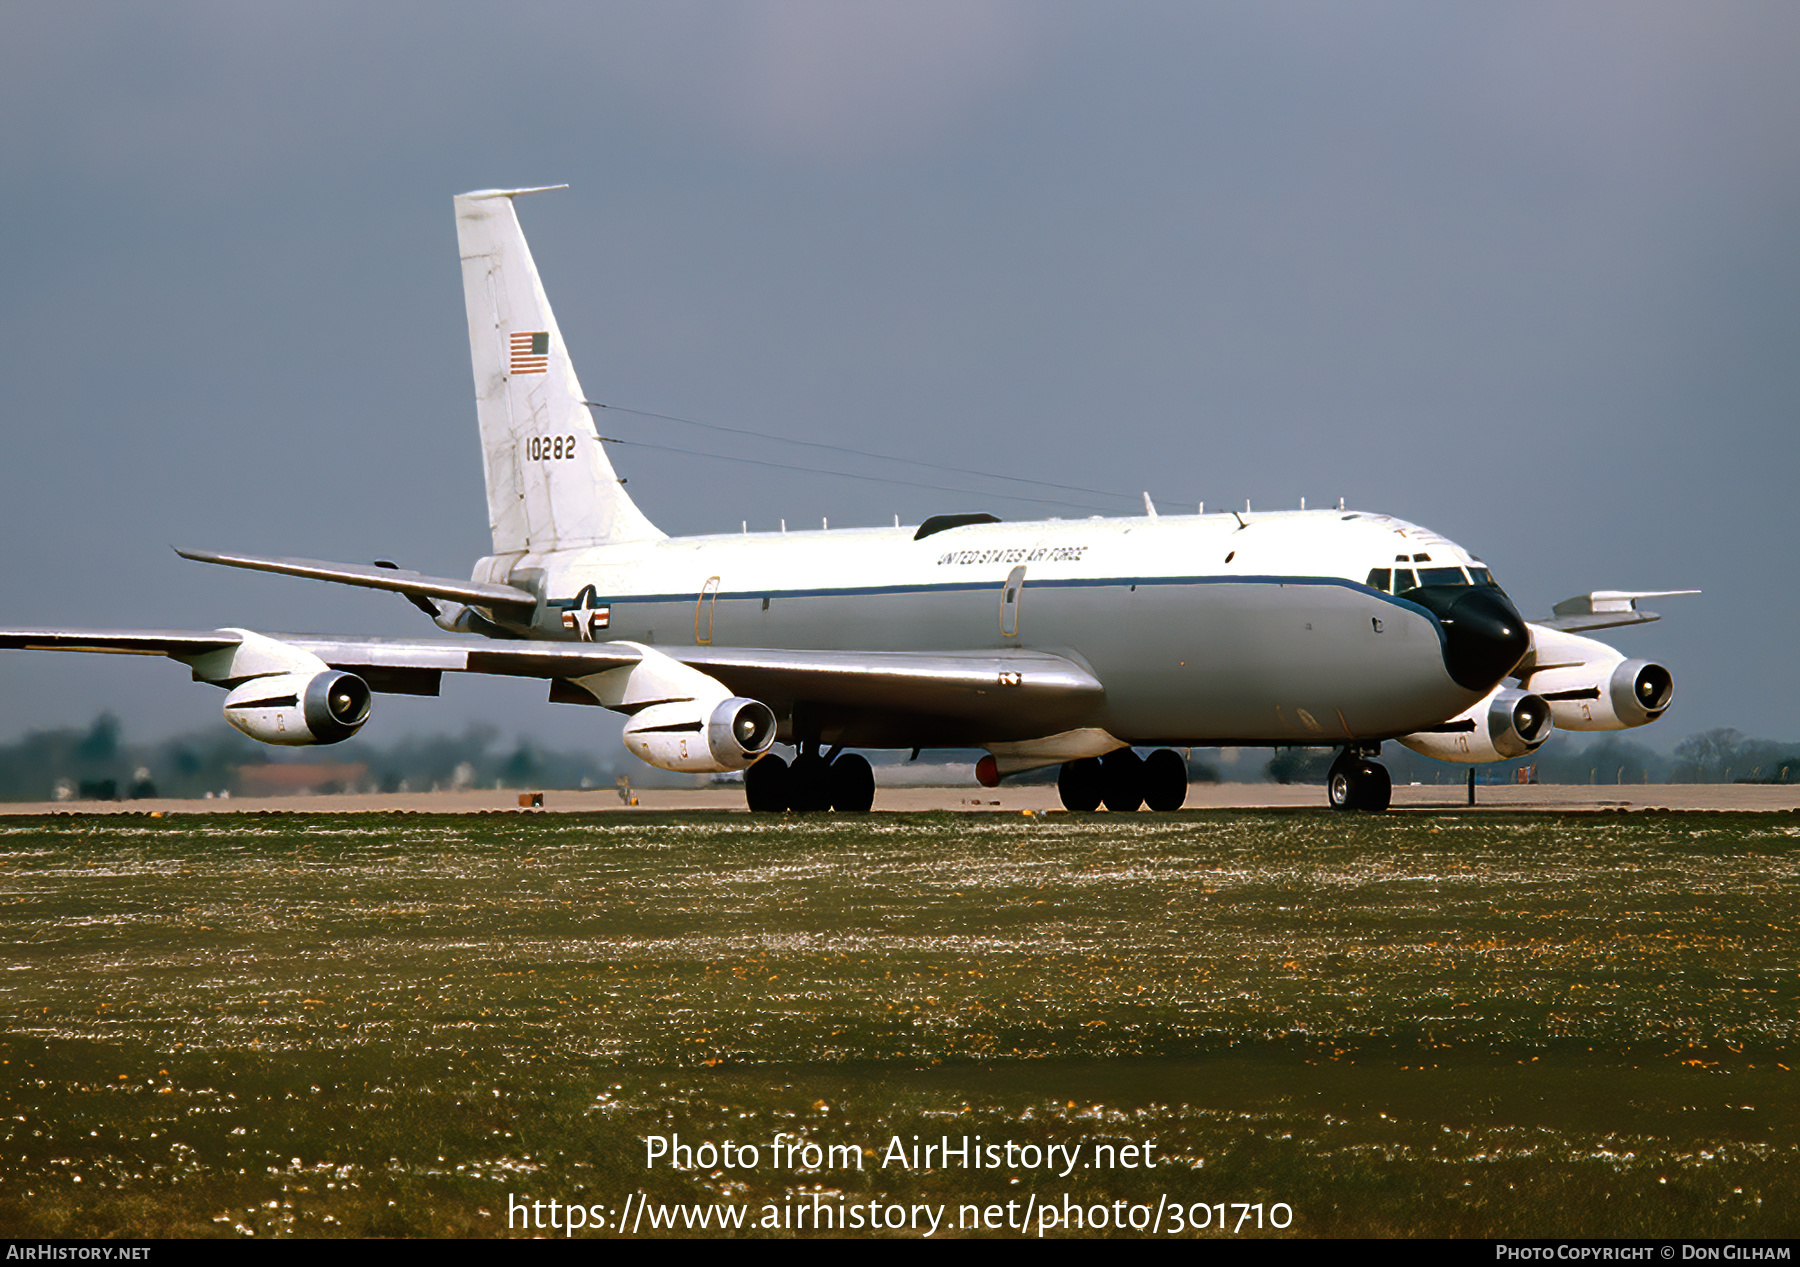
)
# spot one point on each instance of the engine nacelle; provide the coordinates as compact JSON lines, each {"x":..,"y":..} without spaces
{"x":1590,"y":686}
{"x":1508,"y":723}
{"x":1610,"y":695}
{"x":701,"y":736}
{"x":296,"y":709}
{"x":680,"y":718}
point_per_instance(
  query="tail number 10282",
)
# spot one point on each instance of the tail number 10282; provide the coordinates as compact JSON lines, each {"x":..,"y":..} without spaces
{"x":549,"y":448}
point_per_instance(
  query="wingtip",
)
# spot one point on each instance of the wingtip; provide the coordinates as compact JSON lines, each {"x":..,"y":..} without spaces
{"x":476,"y":194}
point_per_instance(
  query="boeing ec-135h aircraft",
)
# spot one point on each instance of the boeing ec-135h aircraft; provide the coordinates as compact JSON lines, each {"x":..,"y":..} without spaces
{"x":1068,"y":643}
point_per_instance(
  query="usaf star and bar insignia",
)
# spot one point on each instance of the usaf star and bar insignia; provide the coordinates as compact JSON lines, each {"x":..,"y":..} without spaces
{"x":587,"y":615}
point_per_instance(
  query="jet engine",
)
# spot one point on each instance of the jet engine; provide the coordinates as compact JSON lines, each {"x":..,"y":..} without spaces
{"x":296,"y":709}
{"x":699,"y":736}
{"x":1508,"y":723}
{"x":680,"y":718}
{"x":1590,"y":686}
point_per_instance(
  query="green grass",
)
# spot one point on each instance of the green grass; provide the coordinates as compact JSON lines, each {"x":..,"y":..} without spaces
{"x":1463,"y":1025}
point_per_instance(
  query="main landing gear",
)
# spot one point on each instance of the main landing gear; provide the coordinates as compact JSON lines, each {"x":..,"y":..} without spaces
{"x":1355,"y":783}
{"x":1123,"y":781}
{"x":812,"y":784}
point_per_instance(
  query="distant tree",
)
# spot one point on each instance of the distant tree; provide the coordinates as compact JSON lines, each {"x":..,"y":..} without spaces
{"x":1765,"y":761}
{"x":1709,"y":756}
{"x":1612,"y":758}
{"x":521,"y":767}
{"x":101,"y":743}
{"x":184,"y":759}
{"x":1200,"y":772}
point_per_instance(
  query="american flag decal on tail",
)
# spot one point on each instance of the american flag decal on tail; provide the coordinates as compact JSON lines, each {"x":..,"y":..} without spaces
{"x":530,"y":352}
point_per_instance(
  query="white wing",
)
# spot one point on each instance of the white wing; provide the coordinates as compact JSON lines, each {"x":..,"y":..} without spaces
{"x":1604,"y":609}
{"x":1004,"y":691}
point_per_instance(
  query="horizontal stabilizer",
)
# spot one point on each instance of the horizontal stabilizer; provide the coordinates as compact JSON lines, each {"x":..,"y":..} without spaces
{"x":1605,"y":609}
{"x":368,"y":576}
{"x":478,"y":194}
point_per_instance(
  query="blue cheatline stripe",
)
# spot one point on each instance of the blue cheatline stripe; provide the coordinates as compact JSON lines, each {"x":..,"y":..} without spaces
{"x":870,"y":591}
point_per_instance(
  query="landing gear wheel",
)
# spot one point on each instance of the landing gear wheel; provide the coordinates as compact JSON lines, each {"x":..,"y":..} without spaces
{"x":1080,"y":783}
{"x":1378,"y":790}
{"x":1340,"y":788}
{"x":1124,"y":787}
{"x":766,"y":785}
{"x":852,"y":783}
{"x":1357,"y":784}
{"x":1165,"y":781}
{"x":809,"y":784}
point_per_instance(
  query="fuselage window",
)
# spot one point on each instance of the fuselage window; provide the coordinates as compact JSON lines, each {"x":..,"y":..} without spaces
{"x":1380,"y":579}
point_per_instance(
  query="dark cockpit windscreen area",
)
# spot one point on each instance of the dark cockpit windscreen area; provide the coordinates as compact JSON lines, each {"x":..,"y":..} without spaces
{"x":1398,"y":580}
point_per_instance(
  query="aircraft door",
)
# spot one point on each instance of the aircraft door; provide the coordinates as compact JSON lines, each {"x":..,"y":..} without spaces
{"x":1009,"y":603}
{"x":703,"y":611}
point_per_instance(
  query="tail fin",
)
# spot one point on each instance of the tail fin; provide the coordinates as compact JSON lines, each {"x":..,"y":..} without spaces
{"x":549,"y":485}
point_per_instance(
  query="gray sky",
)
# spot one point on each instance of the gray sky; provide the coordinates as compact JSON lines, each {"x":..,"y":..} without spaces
{"x":1527,"y":274}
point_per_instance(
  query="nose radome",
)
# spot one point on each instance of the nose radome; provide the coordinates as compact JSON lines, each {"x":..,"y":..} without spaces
{"x":1484,"y":635}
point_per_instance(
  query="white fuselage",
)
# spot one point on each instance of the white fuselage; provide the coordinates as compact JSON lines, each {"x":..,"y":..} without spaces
{"x":1203,"y":629}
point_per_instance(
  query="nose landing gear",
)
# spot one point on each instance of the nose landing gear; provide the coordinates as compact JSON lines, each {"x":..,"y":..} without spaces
{"x":1355,"y":783}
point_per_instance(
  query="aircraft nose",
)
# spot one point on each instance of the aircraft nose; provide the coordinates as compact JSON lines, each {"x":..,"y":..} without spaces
{"x":1484,"y":635}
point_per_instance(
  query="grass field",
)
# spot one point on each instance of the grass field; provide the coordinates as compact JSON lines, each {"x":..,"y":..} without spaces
{"x":1463,"y":1025}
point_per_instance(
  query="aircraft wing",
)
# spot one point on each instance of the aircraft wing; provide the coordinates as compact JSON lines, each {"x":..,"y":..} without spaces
{"x":170,"y":642}
{"x":909,"y":681}
{"x":955,"y":682}
{"x":1604,"y":609}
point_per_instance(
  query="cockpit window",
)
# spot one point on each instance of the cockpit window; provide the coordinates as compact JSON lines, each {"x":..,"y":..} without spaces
{"x":1399,"y":580}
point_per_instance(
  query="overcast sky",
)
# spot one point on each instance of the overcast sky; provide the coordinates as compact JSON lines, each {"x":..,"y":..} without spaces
{"x":1527,"y":274}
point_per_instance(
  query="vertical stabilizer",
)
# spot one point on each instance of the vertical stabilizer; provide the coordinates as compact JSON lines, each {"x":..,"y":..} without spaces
{"x":549,"y":485}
